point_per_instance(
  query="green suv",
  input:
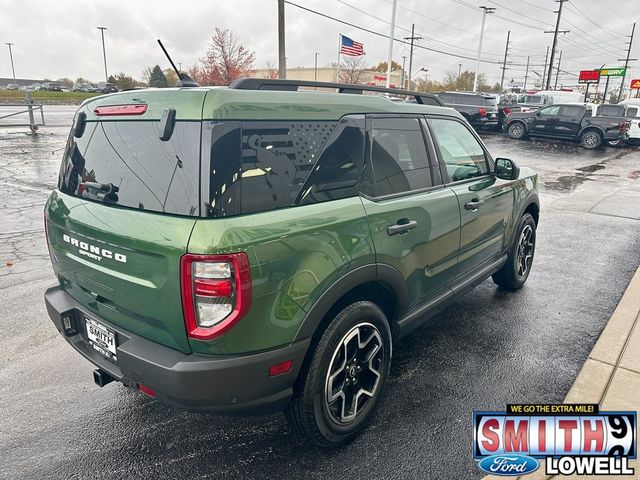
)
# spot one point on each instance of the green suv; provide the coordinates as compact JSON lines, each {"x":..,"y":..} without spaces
{"x":258,"y":247}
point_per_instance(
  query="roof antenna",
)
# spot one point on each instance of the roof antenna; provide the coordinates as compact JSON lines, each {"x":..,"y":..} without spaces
{"x":184,"y":79}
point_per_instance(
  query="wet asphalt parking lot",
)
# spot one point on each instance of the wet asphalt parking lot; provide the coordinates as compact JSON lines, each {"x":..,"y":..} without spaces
{"x":488,"y":349}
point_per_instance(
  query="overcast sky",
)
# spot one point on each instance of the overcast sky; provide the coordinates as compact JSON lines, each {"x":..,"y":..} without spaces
{"x":59,"y":38}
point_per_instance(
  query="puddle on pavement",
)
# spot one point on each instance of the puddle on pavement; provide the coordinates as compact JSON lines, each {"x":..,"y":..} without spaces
{"x":591,"y":168}
{"x":567,"y":183}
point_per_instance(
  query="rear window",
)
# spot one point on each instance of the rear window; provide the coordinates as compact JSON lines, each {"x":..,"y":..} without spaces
{"x":632,"y":112}
{"x":531,"y":99}
{"x":125,"y":163}
{"x":464,"y":99}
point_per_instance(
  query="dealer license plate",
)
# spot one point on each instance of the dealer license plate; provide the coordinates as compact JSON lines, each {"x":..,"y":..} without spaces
{"x":101,"y":339}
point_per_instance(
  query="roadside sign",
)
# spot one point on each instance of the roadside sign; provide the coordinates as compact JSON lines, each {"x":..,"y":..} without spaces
{"x":589,"y":76}
{"x":635,"y":83}
{"x":613,"y":72}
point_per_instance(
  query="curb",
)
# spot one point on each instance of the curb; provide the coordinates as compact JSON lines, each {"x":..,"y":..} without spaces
{"x":611,"y":355}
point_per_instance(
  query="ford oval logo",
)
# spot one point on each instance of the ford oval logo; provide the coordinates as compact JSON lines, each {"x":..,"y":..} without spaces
{"x":509,"y":464}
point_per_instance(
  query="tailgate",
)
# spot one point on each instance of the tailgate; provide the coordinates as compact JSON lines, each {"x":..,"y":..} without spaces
{"x":122,"y":265}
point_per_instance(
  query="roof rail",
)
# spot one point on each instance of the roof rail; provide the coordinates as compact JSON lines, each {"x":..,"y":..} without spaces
{"x":293,"y":85}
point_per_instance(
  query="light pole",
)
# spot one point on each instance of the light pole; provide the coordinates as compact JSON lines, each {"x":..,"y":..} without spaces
{"x":459,"y":69}
{"x":315,"y":67}
{"x":11,"y":57}
{"x":390,"y":55}
{"x":104,"y":53}
{"x":404,"y":59}
{"x":485,"y":10}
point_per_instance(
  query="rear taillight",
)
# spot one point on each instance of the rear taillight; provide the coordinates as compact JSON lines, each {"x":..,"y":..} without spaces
{"x":623,"y":126}
{"x":108,"y":110}
{"x":506,"y":110}
{"x":482,"y":112}
{"x":216,"y":292}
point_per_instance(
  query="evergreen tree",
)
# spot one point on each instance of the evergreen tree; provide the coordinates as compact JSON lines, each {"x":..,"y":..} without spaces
{"x":158,"y":78}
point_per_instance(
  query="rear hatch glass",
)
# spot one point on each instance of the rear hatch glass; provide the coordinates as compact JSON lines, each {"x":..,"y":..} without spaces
{"x":125,"y":163}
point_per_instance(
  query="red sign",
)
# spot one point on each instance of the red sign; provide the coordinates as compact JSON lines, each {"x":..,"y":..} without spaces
{"x":635,"y":83}
{"x":589,"y":76}
{"x":379,"y":77}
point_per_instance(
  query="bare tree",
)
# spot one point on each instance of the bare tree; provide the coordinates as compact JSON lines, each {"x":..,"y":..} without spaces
{"x":353,"y":70}
{"x":226,"y":60}
{"x":271,"y":71}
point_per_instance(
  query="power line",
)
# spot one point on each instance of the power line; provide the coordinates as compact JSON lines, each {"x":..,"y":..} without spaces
{"x":373,"y":32}
{"x":582,"y":14}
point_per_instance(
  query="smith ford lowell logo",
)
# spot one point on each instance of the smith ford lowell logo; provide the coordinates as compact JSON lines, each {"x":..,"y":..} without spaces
{"x":507,"y":465}
{"x":94,"y":252}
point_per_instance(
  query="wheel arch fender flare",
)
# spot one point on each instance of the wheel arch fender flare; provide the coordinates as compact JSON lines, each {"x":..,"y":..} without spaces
{"x":383,"y":274}
{"x":520,"y":121}
{"x":597,"y":128}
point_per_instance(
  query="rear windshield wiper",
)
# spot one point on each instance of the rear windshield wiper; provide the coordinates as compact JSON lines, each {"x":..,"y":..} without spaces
{"x":101,"y":191}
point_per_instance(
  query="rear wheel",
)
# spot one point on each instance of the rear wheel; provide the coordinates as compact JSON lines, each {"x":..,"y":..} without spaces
{"x":344,"y":381}
{"x":591,"y":139}
{"x":516,"y":130}
{"x":520,"y":257}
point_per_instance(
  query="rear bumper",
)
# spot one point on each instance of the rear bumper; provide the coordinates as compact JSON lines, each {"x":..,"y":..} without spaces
{"x":224,"y":384}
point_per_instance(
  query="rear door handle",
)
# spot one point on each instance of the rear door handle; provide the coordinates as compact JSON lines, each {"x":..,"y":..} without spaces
{"x":401,"y":227}
{"x":473,"y":204}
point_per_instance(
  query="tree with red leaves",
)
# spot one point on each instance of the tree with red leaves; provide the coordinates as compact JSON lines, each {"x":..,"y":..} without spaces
{"x":225,"y":61}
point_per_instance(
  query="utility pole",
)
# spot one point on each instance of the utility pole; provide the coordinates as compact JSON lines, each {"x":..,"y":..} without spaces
{"x":459,"y":69}
{"x":404,"y":59}
{"x":555,"y":87}
{"x":412,"y":38}
{"x":11,"y":57}
{"x":504,"y":63}
{"x":526,"y":75}
{"x":485,"y":10}
{"x":391,"y":33}
{"x":626,"y":62}
{"x":282,"y":59}
{"x":104,"y":53}
{"x":555,"y":41}
{"x":544,"y":70}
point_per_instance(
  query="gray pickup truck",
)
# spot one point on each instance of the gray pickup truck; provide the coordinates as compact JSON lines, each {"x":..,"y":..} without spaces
{"x":569,"y":122}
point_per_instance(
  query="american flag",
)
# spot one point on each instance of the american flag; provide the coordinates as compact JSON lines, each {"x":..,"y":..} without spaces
{"x":350,"y":47}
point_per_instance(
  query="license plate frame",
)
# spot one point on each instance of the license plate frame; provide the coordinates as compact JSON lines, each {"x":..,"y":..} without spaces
{"x":102,"y":339}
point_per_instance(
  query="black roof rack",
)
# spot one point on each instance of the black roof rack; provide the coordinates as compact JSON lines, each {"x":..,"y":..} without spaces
{"x":293,"y":85}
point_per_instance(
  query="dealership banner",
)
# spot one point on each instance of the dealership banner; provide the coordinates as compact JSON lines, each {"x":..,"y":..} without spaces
{"x":572,"y":439}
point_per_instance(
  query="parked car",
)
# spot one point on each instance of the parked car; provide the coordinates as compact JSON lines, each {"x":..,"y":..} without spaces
{"x":13,"y":86}
{"x":504,"y":108}
{"x":107,"y":87}
{"x":52,"y":86}
{"x":569,"y":122}
{"x":480,"y":110}
{"x":85,"y":88}
{"x":246,"y":249}
{"x":532,"y":102}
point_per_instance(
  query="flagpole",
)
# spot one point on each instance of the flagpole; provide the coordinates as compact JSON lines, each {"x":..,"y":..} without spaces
{"x":338,"y":64}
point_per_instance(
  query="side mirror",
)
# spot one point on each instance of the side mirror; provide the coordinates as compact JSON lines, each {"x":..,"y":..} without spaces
{"x":506,"y":169}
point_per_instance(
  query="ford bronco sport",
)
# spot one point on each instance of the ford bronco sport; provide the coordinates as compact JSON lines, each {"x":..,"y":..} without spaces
{"x":257,"y":247}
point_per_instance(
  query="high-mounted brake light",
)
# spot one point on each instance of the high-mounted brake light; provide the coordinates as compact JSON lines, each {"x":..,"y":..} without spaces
{"x":109,"y":110}
{"x":216,"y":292}
{"x":482,"y":112}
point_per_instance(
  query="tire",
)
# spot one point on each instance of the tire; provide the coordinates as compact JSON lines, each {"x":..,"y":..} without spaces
{"x":590,"y":139}
{"x":322,"y":408}
{"x":517,"y":130}
{"x":515,"y":272}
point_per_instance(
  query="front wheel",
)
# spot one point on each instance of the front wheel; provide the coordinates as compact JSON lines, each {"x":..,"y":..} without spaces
{"x":591,"y":139}
{"x":344,"y":381}
{"x":520,"y":257}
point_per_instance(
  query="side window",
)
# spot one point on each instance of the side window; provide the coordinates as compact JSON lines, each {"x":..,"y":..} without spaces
{"x":337,"y":172}
{"x":550,"y":111}
{"x":632,"y":112}
{"x":572,"y":111}
{"x":398,"y":156}
{"x":462,"y":154}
